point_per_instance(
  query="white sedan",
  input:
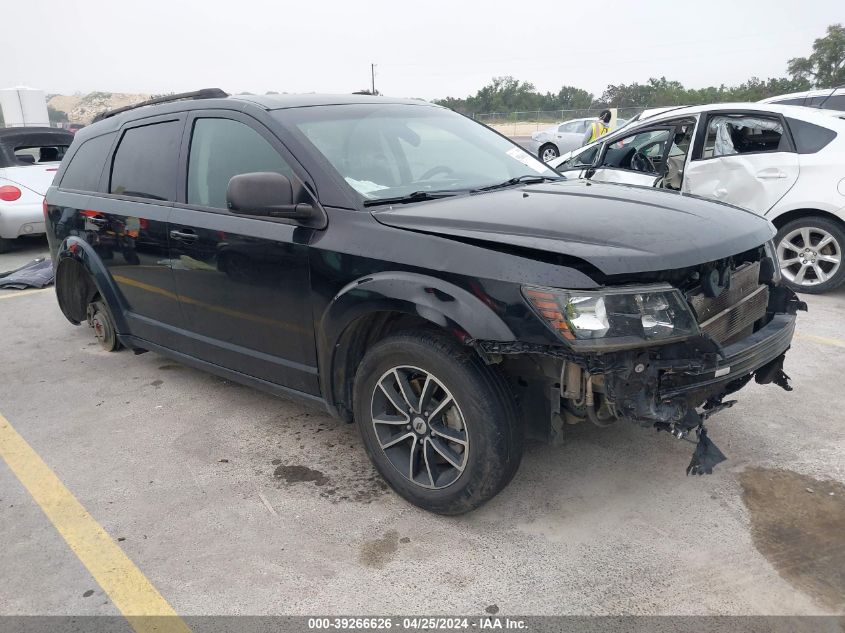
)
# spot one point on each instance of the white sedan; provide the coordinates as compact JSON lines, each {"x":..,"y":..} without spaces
{"x":29,"y":158}
{"x":784,"y":162}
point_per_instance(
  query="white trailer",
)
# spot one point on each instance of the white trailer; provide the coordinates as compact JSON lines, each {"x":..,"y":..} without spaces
{"x":24,"y":107}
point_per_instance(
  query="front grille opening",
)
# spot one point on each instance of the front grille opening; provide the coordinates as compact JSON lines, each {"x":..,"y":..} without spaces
{"x":731,"y":316}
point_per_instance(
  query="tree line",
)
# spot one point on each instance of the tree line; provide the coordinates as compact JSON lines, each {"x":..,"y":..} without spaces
{"x":824,"y":68}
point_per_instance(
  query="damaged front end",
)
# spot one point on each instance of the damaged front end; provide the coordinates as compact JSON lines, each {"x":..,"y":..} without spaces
{"x":664,"y":355}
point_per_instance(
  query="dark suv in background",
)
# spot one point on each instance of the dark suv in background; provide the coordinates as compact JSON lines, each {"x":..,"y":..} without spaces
{"x":409,"y":269}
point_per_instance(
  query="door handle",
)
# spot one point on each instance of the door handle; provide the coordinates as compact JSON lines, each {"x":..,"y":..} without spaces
{"x":184,"y":236}
{"x":720,"y":193}
{"x":770,"y":174}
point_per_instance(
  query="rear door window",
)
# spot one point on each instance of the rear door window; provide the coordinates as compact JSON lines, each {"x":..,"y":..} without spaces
{"x":86,"y":165}
{"x":743,"y":134}
{"x":40,"y":153}
{"x":146,"y":162}
{"x":221,"y":149}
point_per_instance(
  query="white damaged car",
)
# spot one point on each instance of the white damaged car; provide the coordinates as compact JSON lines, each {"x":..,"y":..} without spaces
{"x":29,"y":158}
{"x":786,"y":163}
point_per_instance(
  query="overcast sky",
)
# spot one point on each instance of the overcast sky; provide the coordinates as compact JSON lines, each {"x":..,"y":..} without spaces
{"x":427,"y":49}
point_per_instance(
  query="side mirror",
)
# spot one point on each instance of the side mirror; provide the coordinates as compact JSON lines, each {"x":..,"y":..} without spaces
{"x":265,"y":193}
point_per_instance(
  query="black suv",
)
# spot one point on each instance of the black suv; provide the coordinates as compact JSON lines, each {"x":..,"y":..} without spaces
{"x":407,"y":268}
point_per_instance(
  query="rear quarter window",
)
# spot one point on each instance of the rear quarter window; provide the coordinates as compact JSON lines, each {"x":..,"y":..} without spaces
{"x":836,"y":102}
{"x":86,"y":165}
{"x":809,"y":138}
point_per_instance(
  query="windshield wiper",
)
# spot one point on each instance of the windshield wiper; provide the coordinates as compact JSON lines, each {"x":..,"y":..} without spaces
{"x":416,"y":196}
{"x":528,"y":179}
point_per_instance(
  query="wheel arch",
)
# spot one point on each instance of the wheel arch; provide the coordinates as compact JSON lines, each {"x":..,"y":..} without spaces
{"x":784,"y":218}
{"x":80,"y":276}
{"x":545,"y":144}
{"x":376,"y":306}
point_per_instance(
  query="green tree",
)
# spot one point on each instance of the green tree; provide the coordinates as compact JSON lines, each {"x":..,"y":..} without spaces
{"x":825,"y":67}
{"x":572,"y":98}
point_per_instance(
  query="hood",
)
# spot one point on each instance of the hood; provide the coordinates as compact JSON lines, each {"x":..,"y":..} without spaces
{"x":616,"y":228}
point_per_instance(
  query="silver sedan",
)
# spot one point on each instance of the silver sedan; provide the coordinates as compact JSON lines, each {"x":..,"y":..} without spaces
{"x":564,"y":137}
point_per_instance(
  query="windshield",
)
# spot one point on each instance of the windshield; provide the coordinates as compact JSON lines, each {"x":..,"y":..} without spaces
{"x":386,"y":151}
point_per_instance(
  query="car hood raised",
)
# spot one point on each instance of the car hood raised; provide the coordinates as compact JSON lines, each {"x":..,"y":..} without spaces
{"x":616,"y":228}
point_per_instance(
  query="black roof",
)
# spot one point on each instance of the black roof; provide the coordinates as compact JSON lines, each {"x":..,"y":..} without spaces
{"x":12,"y":137}
{"x":213,"y":96}
{"x":277,"y":102}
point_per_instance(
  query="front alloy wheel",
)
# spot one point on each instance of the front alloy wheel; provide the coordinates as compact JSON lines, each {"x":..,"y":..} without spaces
{"x":810,"y":255}
{"x":441,"y":427}
{"x":419,"y":427}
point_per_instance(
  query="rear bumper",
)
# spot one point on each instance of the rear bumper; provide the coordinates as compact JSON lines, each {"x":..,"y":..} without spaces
{"x":740,"y":359}
{"x":18,"y":219}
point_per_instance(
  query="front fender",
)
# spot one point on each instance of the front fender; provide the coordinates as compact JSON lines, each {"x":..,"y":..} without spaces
{"x":438,"y":301}
{"x":80,"y":251}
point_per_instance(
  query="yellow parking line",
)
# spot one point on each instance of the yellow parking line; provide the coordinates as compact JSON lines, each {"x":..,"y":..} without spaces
{"x":824,"y":340}
{"x":130,"y":591}
{"x":23,"y":293}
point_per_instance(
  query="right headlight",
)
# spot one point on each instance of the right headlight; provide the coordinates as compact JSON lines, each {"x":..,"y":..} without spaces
{"x":614,"y":318}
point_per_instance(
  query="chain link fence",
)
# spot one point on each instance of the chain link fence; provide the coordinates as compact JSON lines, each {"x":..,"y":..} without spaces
{"x":526,"y":123}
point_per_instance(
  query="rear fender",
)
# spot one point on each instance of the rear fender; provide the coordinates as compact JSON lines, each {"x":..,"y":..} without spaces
{"x":75,"y":249}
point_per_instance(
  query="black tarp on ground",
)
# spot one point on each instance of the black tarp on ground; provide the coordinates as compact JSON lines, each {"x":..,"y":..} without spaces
{"x":36,"y":274}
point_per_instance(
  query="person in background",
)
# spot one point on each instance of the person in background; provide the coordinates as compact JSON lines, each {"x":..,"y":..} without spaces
{"x":597,"y":128}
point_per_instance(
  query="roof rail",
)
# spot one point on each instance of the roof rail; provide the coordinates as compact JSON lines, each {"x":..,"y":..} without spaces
{"x":205,"y":93}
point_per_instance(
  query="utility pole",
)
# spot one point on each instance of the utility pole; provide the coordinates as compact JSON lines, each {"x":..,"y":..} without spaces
{"x":373,"y":78}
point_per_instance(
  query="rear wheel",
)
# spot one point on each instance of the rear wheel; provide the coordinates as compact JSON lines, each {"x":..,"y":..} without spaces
{"x":5,"y":245}
{"x":810,"y":251}
{"x":548,"y":152}
{"x":100,"y":319}
{"x":439,"y":425}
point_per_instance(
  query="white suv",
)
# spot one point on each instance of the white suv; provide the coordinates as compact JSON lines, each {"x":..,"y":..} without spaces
{"x":784,"y":162}
{"x":29,"y":158}
{"x":827,"y":98}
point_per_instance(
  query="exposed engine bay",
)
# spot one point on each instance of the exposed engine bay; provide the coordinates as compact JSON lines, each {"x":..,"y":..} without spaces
{"x":745,"y":322}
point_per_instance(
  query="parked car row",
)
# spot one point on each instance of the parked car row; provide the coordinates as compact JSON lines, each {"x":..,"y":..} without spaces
{"x":411,"y":270}
{"x":785,"y":163}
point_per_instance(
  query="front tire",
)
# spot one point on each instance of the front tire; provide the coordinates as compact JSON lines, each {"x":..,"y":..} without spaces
{"x":810,"y":251}
{"x":439,"y":425}
{"x":548,"y":152}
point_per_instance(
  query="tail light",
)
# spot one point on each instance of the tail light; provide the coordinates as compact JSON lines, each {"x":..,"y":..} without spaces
{"x":9,"y":193}
{"x":44,"y":207}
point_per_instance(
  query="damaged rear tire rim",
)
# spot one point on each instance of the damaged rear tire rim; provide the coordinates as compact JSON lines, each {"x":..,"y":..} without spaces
{"x":419,"y":427}
{"x":809,"y":256}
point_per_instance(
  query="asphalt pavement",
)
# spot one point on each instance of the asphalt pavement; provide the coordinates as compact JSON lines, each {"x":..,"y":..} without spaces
{"x":230,"y":501}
